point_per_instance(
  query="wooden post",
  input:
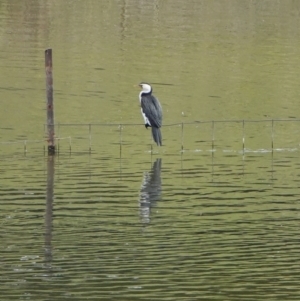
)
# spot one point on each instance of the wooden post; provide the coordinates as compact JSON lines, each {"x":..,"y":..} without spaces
{"x":49,"y":95}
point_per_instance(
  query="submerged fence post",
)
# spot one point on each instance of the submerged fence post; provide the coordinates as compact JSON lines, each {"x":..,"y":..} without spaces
{"x":212,"y":136}
{"x":49,"y":95}
{"x":272,"y":135}
{"x":243,"y":137}
{"x":181,"y":136}
{"x":90,"y":138}
{"x":121,"y":140}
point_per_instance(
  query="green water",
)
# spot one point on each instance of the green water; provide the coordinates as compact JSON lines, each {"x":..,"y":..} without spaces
{"x":211,"y":215}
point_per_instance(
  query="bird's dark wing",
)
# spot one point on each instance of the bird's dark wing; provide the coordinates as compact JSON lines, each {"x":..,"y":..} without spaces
{"x":152,"y":109}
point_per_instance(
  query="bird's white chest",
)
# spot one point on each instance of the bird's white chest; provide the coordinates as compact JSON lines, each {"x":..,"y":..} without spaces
{"x":146,"y":120}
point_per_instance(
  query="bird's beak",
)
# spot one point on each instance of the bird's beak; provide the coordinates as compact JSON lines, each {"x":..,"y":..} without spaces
{"x":137,"y":86}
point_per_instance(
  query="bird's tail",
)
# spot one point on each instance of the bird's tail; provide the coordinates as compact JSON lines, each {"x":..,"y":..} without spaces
{"x":156,"y":134}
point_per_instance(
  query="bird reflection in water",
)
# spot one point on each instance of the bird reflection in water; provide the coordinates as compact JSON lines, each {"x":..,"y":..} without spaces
{"x":150,"y":191}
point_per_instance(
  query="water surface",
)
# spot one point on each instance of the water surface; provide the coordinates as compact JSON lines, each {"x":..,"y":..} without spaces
{"x":213,"y":214}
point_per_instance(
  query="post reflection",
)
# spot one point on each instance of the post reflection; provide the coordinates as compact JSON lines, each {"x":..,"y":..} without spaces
{"x":150,"y":191}
{"x":49,"y":211}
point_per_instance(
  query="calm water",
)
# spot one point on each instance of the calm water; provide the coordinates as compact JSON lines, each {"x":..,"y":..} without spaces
{"x":211,"y":215}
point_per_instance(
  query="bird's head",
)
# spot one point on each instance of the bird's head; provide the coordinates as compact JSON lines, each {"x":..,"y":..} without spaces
{"x":146,"y":88}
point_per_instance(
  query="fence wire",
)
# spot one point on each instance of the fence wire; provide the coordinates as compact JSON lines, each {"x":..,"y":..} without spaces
{"x":120,"y":126}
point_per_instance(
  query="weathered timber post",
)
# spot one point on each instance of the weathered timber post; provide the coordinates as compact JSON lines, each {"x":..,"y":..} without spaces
{"x":49,"y":95}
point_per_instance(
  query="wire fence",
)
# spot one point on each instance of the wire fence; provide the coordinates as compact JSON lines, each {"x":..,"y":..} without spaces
{"x":185,"y":138}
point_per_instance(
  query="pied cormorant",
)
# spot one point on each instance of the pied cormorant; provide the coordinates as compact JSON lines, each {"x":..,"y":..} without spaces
{"x":151,"y":111}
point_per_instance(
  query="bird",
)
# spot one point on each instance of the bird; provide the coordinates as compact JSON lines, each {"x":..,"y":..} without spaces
{"x":151,"y":111}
